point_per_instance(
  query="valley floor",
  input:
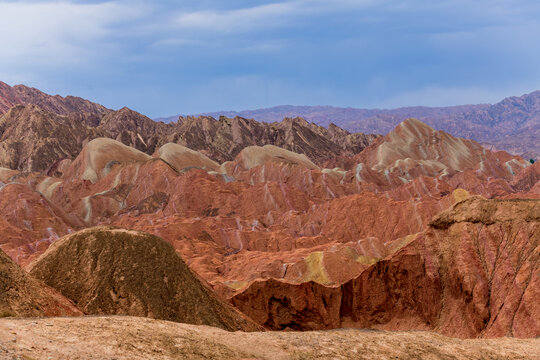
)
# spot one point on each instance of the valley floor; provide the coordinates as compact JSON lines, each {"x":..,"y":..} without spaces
{"x":119,"y":337}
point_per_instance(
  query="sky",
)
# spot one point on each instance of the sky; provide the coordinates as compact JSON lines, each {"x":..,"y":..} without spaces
{"x":168,"y":57}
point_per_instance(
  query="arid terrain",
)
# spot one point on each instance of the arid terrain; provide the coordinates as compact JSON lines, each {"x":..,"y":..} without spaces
{"x":412,"y":244}
{"x":121,"y":337}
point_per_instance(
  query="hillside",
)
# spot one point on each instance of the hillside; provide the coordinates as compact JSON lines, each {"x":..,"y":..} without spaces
{"x":23,"y":296}
{"x":113,"y":271}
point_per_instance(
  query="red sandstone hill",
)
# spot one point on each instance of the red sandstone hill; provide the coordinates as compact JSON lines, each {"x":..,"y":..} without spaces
{"x":270,"y":213}
{"x":473,"y":272}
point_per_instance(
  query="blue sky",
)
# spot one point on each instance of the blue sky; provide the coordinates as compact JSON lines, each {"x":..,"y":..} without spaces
{"x":167,"y":57}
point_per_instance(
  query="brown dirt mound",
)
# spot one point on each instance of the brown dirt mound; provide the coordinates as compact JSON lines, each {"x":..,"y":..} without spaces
{"x":107,"y":270}
{"x":23,"y":296}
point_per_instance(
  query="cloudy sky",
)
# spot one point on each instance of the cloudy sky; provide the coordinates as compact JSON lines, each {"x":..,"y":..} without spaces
{"x":167,"y":57}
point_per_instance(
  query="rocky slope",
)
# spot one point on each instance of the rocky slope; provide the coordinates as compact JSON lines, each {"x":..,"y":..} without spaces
{"x":23,"y":296}
{"x":414,"y":148}
{"x":473,"y":272}
{"x":269,"y":213}
{"x":34,"y":139}
{"x":223,"y":139}
{"x":24,"y":95}
{"x":111,"y":271}
{"x":138,"y":338}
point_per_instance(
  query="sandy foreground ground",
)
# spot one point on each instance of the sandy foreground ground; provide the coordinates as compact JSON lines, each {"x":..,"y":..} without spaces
{"x":119,"y":337}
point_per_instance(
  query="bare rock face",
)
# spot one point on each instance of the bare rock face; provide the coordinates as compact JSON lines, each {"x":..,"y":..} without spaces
{"x":527,"y":179}
{"x":32,"y":139}
{"x":23,"y":95}
{"x":29,"y":222}
{"x":413,"y":149}
{"x":134,"y":129}
{"x":223,"y":139}
{"x":115,"y":271}
{"x":473,"y":272}
{"x":306,"y":306}
{"x":23,"y":296}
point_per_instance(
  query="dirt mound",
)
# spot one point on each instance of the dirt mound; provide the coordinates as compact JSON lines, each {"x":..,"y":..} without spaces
{"x":106,"y":270}
{"x":23,"y":296}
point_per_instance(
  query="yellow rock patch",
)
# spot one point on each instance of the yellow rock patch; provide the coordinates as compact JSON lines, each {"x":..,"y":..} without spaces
{"x":315,"y":269}
{"x":460,"y":194}
{"x":236,"y":285}
{"x":366,"y":260}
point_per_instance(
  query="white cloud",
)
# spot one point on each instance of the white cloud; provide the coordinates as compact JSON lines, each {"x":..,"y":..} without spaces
{"x":58,"y":33}
{"x":238,"y":20}
{"x":266,"y":16}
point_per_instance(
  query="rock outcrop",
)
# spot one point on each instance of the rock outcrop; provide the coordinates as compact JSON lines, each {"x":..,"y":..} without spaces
{"x":32,"y":139}
{"x":473,"y":272}
{"x":24,"y":95}
{"x":107,"y":270}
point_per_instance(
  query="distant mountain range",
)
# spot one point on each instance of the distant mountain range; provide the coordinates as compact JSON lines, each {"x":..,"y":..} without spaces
{"x":39,"y":131}
{"x":512,"y":124}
